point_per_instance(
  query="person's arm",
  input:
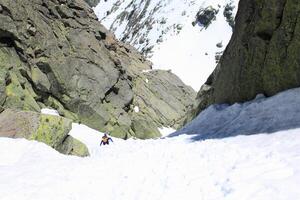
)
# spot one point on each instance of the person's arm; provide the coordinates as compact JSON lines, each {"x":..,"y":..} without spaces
{"x":110,"y":139}
{"x":101,"y":143}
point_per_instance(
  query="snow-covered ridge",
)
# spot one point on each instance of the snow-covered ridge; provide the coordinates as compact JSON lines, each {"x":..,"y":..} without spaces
{"x":163,"y":30}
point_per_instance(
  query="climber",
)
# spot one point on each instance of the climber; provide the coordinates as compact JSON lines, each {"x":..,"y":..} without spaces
{"x":105,"y":140}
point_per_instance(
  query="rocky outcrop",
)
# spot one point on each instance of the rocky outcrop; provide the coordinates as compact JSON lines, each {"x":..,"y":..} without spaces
{"x":262,"y":56}
{"x":162,"y":97}
{"x":56,"y":54}
{"x":205,"y":16}
{"x":49,"y":129}
{"x":93,"y":2}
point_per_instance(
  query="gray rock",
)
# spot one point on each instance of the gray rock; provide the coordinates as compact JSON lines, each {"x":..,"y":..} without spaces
{"x":56,"y":54}
{"x":228,"y":14}
{"x":262,"y":56}
{"x":49,"y":129}
{"x":92,"y":2}
{"x":205,"y":16}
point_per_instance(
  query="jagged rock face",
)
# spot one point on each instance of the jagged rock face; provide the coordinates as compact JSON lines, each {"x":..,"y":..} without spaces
{"x":163,"y":97}
{"x":49,"y":129}
{"x":93,"y":2}
{"x":262,"y":56}
{"x":158,"y":27}
{"x":56,"y":54}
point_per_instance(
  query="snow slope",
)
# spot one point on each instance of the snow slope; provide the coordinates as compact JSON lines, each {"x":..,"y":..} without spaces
{"x":256,"y":167}
{"x":261,"y":166}
{"x":262,"y":115}
{"x":165,"y":26}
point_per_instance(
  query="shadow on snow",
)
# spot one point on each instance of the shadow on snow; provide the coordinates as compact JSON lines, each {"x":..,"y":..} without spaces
{"x":261,"y":115}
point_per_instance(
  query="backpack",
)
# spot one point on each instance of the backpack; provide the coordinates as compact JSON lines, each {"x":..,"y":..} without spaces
{"x":105,"y":139}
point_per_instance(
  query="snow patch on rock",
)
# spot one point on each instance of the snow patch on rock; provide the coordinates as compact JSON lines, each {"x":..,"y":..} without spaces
{"x":49,"y":111}
{"x":136,"y":109}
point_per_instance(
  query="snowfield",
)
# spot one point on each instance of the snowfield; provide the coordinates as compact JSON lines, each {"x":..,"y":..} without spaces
{"x":166,"y":25}
{"x":259,"y":167}
{"x":255,"y":167}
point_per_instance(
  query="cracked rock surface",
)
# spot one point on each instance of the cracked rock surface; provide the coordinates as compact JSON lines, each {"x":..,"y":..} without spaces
{"x":54,"y":53}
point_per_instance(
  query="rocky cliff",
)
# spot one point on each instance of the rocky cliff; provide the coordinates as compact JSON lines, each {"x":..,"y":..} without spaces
{"x":49,"y":129}
{"x":93,"y":2}
{"x":201,"y":28}
{"x":262,"y":56}
{"x":54,"y":53}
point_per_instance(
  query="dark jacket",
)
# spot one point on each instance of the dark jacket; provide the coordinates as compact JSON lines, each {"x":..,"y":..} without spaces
{"x":105,"y":140}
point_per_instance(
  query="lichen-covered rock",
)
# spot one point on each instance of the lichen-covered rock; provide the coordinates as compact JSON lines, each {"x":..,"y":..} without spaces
{"x":163,"y":97}
{"x":52,"y":130}
{"x":49,"y":129}
{"x":55,"y":53}
{"x":72,"y":146}
{"x":144,"y":129}
{"x":262,"y":56}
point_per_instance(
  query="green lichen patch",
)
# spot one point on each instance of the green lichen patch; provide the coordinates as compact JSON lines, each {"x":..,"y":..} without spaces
{"x":18,"y":96}
{"x":72,"y":146}
{"x":52,"y":130}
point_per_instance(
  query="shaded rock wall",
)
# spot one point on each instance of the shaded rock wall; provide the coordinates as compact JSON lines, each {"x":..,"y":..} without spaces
{"x":262,"y":56}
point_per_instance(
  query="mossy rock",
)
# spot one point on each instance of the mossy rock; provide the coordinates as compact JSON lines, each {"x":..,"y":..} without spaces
{"x":55,"y":104}
{"x":49,"y":129}
{"x":68,"y":61}
{"x":144,"y":129}
{"x":17,"y":95}
{"x":72,"y":146}
{"x":52,"y":130}
{"x":119,"y":131}
{"x":3,"y":75}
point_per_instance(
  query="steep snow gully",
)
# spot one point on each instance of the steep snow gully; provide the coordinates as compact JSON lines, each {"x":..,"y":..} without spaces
{"x":261,"y":166}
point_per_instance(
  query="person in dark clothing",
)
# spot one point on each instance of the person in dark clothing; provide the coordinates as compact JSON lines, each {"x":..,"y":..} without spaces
{"x":105,"y":140}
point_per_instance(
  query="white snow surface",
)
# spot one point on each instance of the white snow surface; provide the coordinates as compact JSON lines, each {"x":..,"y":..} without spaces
{"x":49,"y":111}
{"x":256,"y":167}
{"x":189,"y":52}
{"x":261,"y":166}
{"x":166,"y":131}
{"x":136,"y":109}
